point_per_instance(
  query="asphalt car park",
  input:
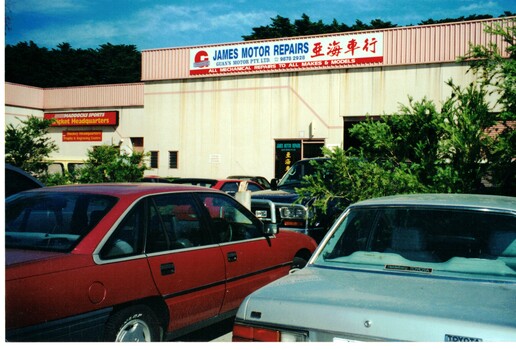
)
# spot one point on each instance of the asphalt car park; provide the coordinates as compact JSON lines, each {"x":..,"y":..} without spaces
{"x":134,"y":262}
{"x":220,"y":332}
{"x":427,"y":268}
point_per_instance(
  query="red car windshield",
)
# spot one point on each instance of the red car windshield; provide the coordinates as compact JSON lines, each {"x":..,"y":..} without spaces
{"x":52,"y":221}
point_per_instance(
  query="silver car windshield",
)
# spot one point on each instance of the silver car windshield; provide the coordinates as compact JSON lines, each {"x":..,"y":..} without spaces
{"x":424,"y":240}
{"x":52,"y":221}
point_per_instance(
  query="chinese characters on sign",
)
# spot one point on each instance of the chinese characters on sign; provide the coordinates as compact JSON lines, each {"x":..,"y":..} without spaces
{"x":287,"y":153}
{"x":322,"y":52}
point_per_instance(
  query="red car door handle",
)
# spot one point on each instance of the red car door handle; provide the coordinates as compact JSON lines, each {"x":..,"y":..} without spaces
{"x":167,"y":269}
{"x":232,"y":256}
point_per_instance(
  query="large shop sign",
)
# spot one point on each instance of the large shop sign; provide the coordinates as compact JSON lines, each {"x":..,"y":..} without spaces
{"x":98,"y":118}
{"x":294,"y":54}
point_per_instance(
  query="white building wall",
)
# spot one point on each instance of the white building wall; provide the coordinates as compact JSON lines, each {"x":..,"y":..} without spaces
{"x":224,"y":126}
{"x":227,"y":125}
{"x":15,"y":114}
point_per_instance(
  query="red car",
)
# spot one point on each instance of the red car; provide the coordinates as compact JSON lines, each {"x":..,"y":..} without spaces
{"x":134,"y":262}
{"x":230,"y":186}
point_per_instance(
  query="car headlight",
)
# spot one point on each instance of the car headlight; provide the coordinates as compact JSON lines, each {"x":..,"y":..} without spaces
{"x":261,"y":214}
{"x":293,"y":212}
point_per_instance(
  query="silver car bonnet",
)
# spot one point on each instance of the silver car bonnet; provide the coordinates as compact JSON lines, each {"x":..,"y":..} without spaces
{"x":333,"y":304}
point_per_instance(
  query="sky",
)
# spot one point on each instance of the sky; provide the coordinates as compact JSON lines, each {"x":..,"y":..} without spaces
{"x":155,"y":24}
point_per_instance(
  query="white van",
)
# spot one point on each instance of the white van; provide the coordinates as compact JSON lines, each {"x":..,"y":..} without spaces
{"x":60,"y":166}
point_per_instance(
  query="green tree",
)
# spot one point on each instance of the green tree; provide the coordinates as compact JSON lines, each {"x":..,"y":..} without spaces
{"x":58,"y":179}
{"x":27,"y":145}
{"x":117,"y":64}
{"x":497,"y":72}
{"x":107,"y":164}
{"x":343,"y":179}
{"x":26,"y":63}
{"x":458,"y":19}
{"x":70,"y":67}
{"x":282,"y":27}
{"x":496,"y":69}
{"x":422,"y":149}
{"x":397,"y":155}
{"x":407,"y":138}
{"x":465,"y":147}
{"x":305,"y":26}
{"x":279,"y":28}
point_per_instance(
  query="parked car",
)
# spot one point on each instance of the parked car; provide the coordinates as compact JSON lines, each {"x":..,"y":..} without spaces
{"x":258,"y":179}
{"x":230,"y":186}
{"x":17,"y":180}
{"x":63,"y":166}
{"x":404,"y":268}
{"x":153,"y":178}
{"x":134,"y":262}
{"x":281,"y":205}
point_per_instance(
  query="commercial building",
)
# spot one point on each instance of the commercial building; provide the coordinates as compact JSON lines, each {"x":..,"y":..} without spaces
{"x":252,"y":108}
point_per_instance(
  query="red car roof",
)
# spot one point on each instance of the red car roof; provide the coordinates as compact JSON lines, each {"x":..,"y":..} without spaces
{"x":122,"y":189}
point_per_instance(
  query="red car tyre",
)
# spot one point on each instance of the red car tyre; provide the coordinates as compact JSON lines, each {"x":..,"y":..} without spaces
{"x":135,"y":323}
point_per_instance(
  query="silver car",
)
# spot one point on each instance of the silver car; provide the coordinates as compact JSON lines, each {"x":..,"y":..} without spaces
{"x":436,"y":267}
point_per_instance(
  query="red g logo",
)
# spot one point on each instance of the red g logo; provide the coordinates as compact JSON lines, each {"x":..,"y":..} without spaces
{"x":201,"y":59}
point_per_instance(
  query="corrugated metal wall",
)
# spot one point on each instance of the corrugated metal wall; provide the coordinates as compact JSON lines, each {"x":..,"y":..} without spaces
{"x":165,"y":64}
{"x":24,"y":96}
{"x":436,"y":43}
{"x":97,"y":96}
{"x":119,"y":95}
{"x":439,"y":43}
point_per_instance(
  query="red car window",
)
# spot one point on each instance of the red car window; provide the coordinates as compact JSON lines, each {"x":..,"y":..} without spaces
{"x":176,"y":222}
{"x":127,"y":240}
{"x":53,"y":221}
{"x":230,"y":221}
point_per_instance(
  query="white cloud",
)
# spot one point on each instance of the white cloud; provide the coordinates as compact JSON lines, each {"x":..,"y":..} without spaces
{"x":45,"y":7}
{"x":85,"y":35}
{"x":192,"y":25}
{"x":479,"y":8}
{"x":199,"y":18}
{"x":155,"y":27}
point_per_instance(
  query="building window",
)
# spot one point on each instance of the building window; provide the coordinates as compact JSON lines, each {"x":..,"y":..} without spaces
{"x":154,"y":159}
{"x":137,"y":143}
{"x":172,"y":159}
